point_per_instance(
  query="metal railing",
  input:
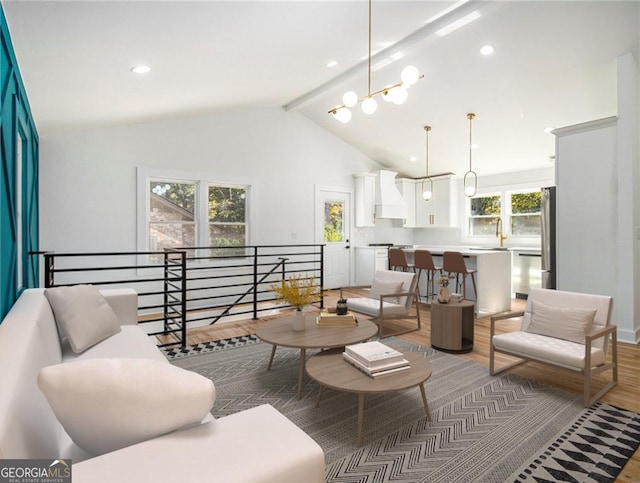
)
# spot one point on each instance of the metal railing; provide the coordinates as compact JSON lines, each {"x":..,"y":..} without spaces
{"x":186,"y":287}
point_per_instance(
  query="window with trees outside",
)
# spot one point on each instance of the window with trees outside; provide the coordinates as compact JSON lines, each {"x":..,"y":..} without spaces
{"x":525,"y":214}
{"x":520,"y":213}
{"x":196,"y":213}
{"x":333,"y":221}
{"x":484,"y":213}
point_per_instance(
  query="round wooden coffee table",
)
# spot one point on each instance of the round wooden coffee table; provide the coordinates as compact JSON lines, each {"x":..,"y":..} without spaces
{"x":329,"y":369}
{"x":279,"y":333}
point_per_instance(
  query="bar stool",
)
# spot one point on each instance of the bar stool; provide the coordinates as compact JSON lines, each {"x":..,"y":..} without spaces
{"x":424,"y":261}
{"x":453,"y":262}
{"x":397,"y":259}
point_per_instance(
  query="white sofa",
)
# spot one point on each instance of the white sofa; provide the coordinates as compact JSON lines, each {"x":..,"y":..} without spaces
{"x":255,"y":445}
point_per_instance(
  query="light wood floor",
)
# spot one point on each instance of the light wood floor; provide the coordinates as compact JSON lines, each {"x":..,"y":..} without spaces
{"x":625,"y":395}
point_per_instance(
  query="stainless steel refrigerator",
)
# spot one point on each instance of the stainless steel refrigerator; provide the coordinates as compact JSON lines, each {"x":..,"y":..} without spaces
{"x":548,"y":236}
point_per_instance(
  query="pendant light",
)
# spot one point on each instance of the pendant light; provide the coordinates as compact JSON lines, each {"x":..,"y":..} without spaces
{"x":470,"y":178}
{"x":395,"y":93}
{"x":427,"y":192}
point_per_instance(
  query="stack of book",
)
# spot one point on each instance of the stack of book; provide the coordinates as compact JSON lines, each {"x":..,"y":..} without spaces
{"x":327,"y":319}
{"x":375,"y":359}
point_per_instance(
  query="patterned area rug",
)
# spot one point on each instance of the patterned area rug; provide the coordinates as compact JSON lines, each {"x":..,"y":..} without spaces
{"x":484,"y":429}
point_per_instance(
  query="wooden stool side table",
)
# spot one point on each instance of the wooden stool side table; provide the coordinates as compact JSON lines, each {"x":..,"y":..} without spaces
{"x":452,"y":326}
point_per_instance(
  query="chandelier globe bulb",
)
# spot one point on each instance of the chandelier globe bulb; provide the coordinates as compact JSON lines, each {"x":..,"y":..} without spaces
{"x":409,"y":75}
{"x":343,"y":115}
{"x":400,"y":95}
{"x":350,"y":99}
{"x":369,"y":105}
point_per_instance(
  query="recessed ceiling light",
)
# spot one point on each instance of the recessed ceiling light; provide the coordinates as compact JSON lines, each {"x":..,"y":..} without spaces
{"x":487,"y":49}
{"x":332,"y":63}
{"x":413,"y":159}
{"x":140,"y":69}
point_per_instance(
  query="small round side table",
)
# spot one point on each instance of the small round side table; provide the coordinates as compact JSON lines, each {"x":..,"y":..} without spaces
{"x":452,"y":326}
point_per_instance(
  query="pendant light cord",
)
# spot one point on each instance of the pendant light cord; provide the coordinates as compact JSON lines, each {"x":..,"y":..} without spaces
{"x":369,"y":81}
{"x":470,"y":116}
{"x":427,"y":129}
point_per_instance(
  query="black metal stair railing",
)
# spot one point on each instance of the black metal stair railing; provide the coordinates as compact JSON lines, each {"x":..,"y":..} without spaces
{"x":184,"y":287}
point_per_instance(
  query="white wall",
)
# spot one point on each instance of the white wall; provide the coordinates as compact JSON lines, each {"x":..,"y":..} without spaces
{"x":88,"y":178}
{"x":601,"y":253}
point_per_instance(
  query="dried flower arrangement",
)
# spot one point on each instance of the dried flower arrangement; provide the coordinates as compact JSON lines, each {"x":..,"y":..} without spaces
{"x":444,"y":280}
{"x":297,"y":291}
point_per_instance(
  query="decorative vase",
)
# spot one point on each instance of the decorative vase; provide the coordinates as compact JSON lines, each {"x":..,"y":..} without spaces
{"x":444,"y":296}
{"x":341,"y":307}
{"x":298,"y":320}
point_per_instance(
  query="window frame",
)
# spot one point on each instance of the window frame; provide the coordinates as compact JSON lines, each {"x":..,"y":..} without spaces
{"x":508,"y":220}
{"x":505,"y":213}
{"x":201,"y":212}
{"x":469,"y":216}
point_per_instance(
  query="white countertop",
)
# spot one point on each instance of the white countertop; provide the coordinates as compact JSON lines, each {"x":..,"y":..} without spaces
{"x":468,"y":251}
{"x":465,"y":250}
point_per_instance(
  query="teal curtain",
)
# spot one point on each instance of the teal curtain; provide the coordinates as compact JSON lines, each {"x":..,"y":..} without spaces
{"x":18,"y":180}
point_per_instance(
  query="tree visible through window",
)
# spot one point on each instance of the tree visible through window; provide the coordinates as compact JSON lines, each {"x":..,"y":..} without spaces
{"x":227,"y":218}
{"x":484,"y":214}
{"x":178,"y":218}
{"x":525,"y":214}
{"x":333,"y":221}
{"x":171,"y":215}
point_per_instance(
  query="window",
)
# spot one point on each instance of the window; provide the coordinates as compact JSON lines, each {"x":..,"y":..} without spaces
{"x":175,"y":211}
{"x":525,"y":214}
{"x":519,"y":211}
{"x":227,"y":211}
{"x":485,"y":211}
{"x":333,"y":221}
{"x":172,"y":221}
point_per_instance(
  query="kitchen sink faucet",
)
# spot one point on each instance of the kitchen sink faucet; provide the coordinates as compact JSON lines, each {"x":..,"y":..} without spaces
{"x":499,"y":233}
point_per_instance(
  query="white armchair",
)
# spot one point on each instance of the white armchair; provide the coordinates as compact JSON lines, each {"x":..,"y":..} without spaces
{"x":390,"y":297}
{"x":565,"y":329}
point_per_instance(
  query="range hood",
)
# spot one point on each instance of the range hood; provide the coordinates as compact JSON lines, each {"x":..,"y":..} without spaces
{"x":389,"y":202}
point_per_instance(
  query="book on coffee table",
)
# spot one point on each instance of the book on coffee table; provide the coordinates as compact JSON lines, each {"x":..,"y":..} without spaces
{"x":327,"y":319}
{"x":390,"y":368}
{"x":373,"y":354}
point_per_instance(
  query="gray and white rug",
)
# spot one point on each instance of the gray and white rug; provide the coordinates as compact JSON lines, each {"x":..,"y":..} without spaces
{"x":484,"y":429}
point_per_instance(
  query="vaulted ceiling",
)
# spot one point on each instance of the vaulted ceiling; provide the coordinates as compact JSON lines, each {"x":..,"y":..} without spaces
{"x":554,"y":65}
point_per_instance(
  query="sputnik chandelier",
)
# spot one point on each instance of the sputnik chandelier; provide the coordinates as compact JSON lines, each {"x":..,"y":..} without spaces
{"x":396,"y":93}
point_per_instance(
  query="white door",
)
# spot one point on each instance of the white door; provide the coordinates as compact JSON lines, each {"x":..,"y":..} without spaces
{"x":333,"y":228}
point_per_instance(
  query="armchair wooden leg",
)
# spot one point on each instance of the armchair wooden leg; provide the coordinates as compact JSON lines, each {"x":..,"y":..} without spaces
{"x":590,"y":372}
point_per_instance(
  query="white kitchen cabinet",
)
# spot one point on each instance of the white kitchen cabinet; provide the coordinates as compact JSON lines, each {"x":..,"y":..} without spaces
{"x":440,"y":211}
{"x":365,"y":198}
{"x":367,"y":261}
{"x":407,"y":188}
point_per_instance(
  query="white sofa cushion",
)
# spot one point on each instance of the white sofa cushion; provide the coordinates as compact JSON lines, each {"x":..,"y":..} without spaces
{"x":257,"y":445}
{"x":381,"y":287}
{"x":131,"y":342}
{"x":369,"y":306}
{"x":83,"y":314}
{"x":108,"y":404}
{"x":559,"y":352}
{"x":563,"y":323}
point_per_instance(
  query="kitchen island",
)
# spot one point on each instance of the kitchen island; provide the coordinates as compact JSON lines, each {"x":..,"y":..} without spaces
{"x":493,"y":276}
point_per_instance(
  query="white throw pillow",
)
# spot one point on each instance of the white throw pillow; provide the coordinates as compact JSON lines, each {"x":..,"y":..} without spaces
{"x":107,"y":404}
{"x":562,"y":323}
{"x":380,"y":287}
{"x":83,"y":315}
